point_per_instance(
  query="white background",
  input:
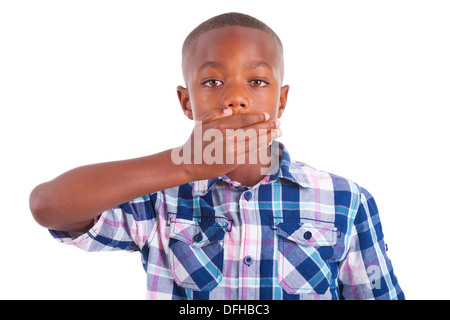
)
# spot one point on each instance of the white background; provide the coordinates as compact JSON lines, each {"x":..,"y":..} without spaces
{"x":91,"y":81}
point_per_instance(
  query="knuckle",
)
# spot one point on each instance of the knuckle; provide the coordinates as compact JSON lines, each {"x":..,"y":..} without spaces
{"x":220,"y":126}
{"x":245,"y":119}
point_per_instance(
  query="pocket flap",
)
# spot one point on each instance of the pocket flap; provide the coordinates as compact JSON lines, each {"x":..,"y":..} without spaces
{"x":309,"y":234}
{"x":197,"y":234}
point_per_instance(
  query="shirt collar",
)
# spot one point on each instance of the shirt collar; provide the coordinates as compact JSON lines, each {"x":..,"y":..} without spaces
{"x":289,"y":170}
{"x":285,"y":170}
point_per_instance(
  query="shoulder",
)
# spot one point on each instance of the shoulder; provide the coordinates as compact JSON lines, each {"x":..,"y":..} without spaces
{"x":344,"y":191}
{"x":321,"y":179}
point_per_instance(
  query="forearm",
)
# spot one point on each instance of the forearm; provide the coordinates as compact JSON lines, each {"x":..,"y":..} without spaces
{"x":72,"y":200}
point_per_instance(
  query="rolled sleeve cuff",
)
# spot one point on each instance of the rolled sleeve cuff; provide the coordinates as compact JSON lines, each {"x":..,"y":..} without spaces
{"x":82,"y":240}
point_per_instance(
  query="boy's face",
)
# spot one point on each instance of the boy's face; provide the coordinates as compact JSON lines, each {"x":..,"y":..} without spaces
{"x":233,"y":67}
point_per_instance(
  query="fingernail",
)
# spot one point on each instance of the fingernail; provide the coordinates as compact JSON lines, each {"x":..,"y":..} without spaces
{"x":277,"y":124}
{"x":266,"y":115}
{"x":227,"y":111}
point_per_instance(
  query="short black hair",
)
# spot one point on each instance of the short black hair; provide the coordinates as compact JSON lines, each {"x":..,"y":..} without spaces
{"x":230,"y":19}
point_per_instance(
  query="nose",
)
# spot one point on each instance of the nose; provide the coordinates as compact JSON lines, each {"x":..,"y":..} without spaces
{"x":235,"y":97}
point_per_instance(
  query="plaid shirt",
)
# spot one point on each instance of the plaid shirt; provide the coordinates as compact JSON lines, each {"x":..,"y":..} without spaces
{"x":300,"y":233}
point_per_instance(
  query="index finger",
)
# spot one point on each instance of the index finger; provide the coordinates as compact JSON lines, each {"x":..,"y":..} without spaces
{"x":243,"y":120}
{"x":214,"y":114}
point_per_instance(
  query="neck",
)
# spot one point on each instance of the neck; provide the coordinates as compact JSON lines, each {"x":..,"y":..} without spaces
{"x":249,"y":174}
{"x":246,"y":175}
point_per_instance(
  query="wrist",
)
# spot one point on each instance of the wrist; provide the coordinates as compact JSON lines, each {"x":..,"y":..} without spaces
{"x":187,"y":171}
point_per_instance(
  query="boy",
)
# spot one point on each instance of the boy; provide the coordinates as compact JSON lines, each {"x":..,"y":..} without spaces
{"x":215,"y":222}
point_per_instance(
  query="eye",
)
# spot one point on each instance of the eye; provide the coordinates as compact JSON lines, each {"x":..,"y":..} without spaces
{"x":212,"y":83}
{"x":258,"y":83}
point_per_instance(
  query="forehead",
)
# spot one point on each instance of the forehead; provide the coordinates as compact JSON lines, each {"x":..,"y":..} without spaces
{"x":233,"y":43}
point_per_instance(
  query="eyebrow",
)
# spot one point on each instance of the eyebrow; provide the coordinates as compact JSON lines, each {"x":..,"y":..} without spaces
{"x":257,"y":64}
{"x":218,"y":65}
{"x":211,"y":64}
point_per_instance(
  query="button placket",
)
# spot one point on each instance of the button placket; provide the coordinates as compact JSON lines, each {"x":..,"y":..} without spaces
{"x":250,"y":249}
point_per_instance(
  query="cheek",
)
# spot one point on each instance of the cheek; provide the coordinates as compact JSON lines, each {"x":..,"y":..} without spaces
{"x":199,"y":103}
{"x":269,"y":102}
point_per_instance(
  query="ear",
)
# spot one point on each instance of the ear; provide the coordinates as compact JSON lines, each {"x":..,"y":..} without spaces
{"x":283,"y":100}
{"x":185,"y":102}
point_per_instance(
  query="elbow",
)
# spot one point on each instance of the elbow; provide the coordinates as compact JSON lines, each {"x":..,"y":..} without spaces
{"x":40,"y":206}
{"x":46,"y":210}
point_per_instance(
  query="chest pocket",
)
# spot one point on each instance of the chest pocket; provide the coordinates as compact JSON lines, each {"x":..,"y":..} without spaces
{"x":196,"y":252}
{"x":303,"y":251}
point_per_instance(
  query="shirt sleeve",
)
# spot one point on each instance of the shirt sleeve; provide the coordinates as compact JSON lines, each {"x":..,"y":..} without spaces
{"x":124,"y":227}
{"x":366,"y":272}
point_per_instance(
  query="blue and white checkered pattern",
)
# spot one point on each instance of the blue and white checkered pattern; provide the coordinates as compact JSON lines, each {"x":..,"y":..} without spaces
{"x":300,"y":233}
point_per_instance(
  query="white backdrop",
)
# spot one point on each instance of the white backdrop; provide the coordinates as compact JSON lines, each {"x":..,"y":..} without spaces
{"x":91,"y":81}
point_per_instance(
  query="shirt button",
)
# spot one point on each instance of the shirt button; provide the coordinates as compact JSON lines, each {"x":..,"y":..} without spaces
{"x":307,"y":235}
{"x":248,"y":260}
{"x":248,"y":195}
{"x":198,"y":237}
